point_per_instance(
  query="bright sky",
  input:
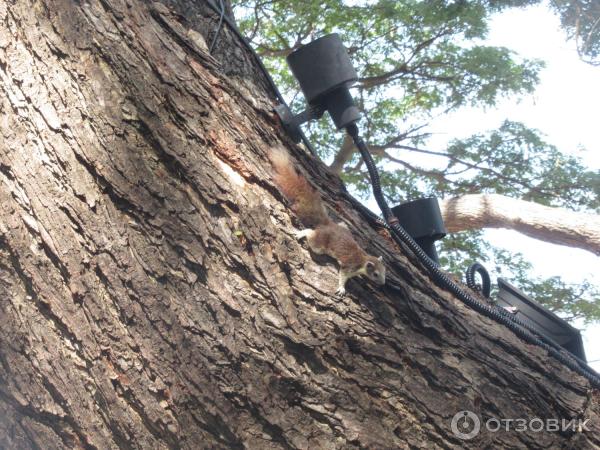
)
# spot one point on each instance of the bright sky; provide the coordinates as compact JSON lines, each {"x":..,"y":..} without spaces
{"x":564,"y":108}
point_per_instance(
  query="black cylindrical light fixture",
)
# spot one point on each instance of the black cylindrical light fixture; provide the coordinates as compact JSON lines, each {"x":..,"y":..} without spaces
{"x":322,"y":66}
{"x":325,"y":74}
{"x":422,"y":219}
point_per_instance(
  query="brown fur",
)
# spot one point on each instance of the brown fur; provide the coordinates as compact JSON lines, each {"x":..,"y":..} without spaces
{"x":306,"y":201}
{"x":337,"y":242}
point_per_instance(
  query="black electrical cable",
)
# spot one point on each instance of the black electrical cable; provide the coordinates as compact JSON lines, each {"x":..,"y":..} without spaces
{"x":475,"y":303}
{"x":233,"y":27}
{"x":214,"y":41}
{"x":521,"y":329}
{"x":486,"y":284}
{"x":380,"y":222}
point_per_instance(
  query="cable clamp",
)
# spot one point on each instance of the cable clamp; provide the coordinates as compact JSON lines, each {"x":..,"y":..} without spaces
{"x":393,"y":221}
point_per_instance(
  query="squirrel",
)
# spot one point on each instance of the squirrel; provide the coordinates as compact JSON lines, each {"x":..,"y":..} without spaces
{"x":323,"y":235}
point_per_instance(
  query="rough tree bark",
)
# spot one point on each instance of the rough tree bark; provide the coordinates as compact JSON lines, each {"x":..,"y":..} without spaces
{"x":555,"y":225}
{"x":152,"y":293}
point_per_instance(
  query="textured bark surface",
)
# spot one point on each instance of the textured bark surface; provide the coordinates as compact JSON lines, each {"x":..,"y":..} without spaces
{"x":152,"y":294}
{"x":556,"y":225}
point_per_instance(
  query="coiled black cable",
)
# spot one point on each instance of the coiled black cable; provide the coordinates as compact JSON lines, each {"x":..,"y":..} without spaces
{"x":486,"y":284}
{"x":380,"y":222}
{"x":521,"y":329}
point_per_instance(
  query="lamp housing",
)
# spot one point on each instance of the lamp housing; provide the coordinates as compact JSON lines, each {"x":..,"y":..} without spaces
{"x":422,"y":219}
{"x":540,"y":318}
{"x":325,"y":74}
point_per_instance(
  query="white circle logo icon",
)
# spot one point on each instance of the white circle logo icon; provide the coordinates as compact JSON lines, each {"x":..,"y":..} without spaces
{"x":465,"y":425}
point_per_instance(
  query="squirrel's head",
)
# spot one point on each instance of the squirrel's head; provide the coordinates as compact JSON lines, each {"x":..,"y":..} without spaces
{"x":375,"y":270}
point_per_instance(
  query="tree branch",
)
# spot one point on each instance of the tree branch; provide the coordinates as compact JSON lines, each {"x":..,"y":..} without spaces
{"x":343,"y":155}
{"x":555,"y":225}
{"x":519,"y":182}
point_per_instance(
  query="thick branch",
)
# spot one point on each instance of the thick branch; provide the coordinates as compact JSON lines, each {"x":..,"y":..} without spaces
{"x":343,"y":155}
{"x":555,"y":225}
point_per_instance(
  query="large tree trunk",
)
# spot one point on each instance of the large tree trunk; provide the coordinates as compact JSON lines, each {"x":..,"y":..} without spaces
{"x":152,"y":293}
{"x":555,"y":225}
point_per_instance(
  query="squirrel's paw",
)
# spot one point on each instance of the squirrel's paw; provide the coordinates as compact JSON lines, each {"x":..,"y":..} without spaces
{"x":341,"y":291}
{"x":301,"y":234}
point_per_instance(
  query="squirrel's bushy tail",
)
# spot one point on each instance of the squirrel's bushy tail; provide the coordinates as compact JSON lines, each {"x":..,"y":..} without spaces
{"x":306,"y":201}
